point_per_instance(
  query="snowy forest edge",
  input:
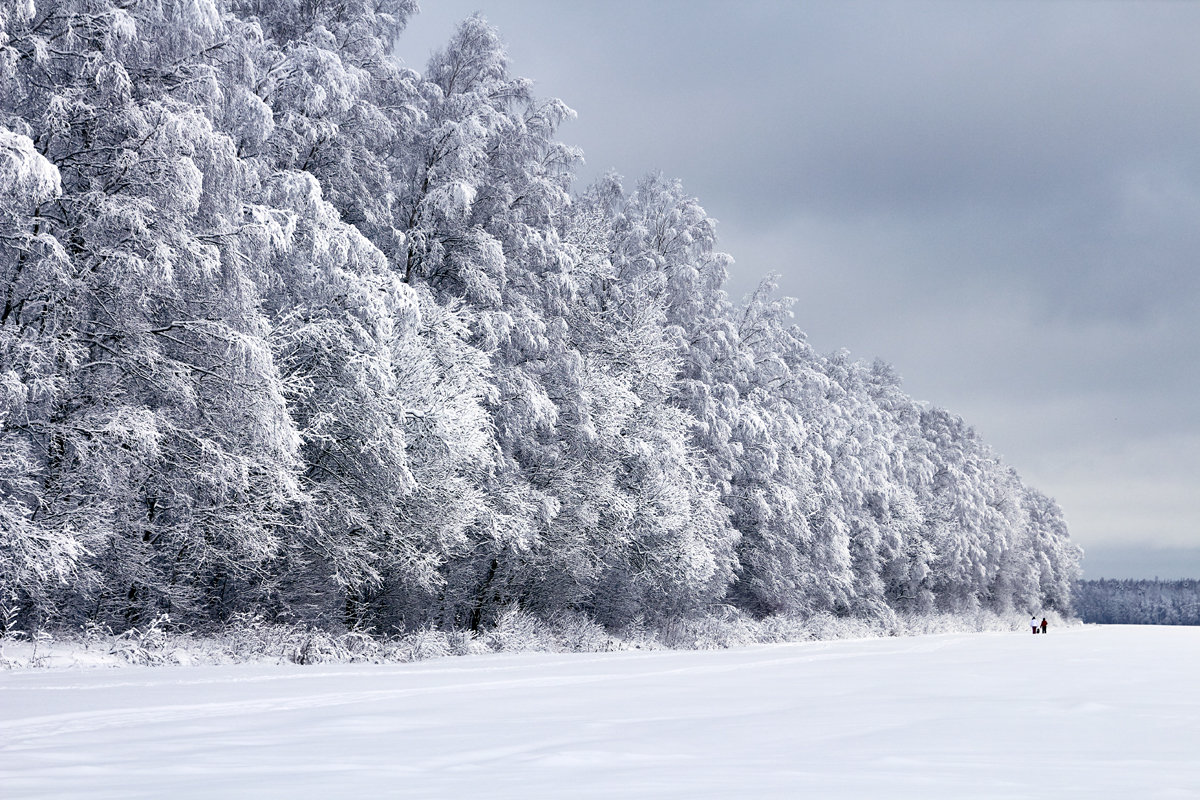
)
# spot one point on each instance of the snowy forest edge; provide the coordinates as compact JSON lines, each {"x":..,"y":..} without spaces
{"x":306,"y":347}
{"x":255,"y":641}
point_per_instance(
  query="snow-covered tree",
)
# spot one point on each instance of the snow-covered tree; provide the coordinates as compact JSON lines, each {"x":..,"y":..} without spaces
{"x":289,"y":328}
{"x":169,"y":433}
{"x":37,"y":552}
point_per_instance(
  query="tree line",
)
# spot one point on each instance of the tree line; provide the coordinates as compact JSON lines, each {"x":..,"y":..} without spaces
{"x":291,"y":329}
{"x":1138,"y":602}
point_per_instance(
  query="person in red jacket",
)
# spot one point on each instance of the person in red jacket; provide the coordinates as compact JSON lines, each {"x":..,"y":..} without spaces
{"x":1043,"y":624}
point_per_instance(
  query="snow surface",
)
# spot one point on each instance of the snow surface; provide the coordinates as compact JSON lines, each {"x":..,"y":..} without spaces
{"x":1096,"y":711}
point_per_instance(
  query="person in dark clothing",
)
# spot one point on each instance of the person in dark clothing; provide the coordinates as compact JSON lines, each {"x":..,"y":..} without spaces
{"x":1043,"y":624}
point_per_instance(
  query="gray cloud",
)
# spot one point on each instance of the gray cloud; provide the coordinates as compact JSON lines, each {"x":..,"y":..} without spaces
{"x":1165,"y":563}
{"x":1000,"y":199}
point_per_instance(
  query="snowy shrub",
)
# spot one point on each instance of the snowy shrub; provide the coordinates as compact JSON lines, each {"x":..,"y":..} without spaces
{"x":142,"y":645}
{"x":8,"y":618}
{"x":318,"y":647}
{"x":825,"y":626}
{"x":517,"y":631}
{"x":249,"y":638}
{"x":360,"y":645}
{"x":636,"y":635}
{"x":779,"y":628}
{"x":466,"y":643}
{"x":426,"y":643}
{"x":94,"y":632}
{"x":574,"y":631}
{"x":712,"y":632}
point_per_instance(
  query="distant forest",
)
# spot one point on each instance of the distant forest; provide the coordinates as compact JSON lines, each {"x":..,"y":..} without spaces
{"x":1133,"y":602}
{"x":290,"y":330}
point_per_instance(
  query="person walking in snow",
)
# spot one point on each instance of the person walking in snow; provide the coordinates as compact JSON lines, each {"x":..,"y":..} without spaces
{"x":1043,"y":624}
{"x":1033,"y":623}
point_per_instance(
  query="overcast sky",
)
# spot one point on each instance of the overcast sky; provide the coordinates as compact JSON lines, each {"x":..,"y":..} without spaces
{"x":1000,"y":199}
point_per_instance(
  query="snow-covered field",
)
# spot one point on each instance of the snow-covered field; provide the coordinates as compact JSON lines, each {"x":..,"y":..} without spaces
{"x":1084,"y":712}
